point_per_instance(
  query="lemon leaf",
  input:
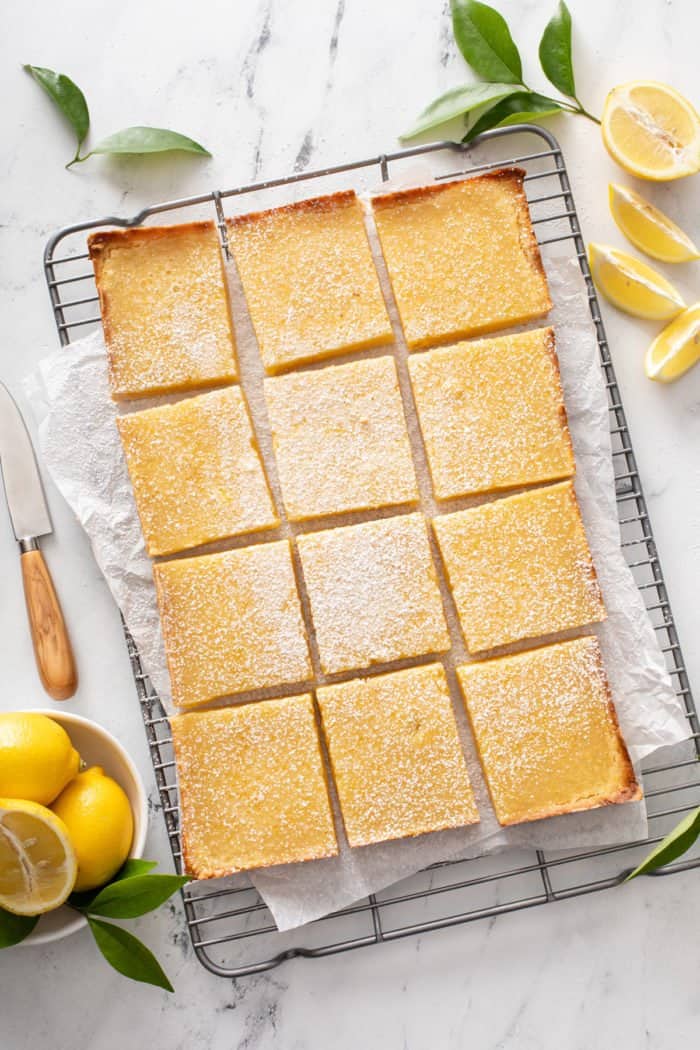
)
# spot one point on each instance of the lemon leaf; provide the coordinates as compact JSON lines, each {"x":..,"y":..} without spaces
{"x":134,"y":866}
{"x":14,"y":928}
{"x":136,"y":895}
{"x":456,"y":102}
{"x":68,"y":98}
{"x":128,"y":955}
{"x":484,"y":39}
{"x":146,"y":140}
{"x":521,"y":108}
{"x":673,"y":846}
{"x":555,"y":51}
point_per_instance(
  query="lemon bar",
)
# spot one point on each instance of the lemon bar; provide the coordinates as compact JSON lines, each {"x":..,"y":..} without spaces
{"x":520,"y":567}
{"x":252,"y":787}
{"x":546,"y":731}
{"x":196,"y":471}
{"x":340,"y":439}
{"x":309,"y":280}
{"x":231,"y":622}
{"x":373,"y":593}
{"x":395,"y":754}
{"x":165,"y":309}
{"x":462,"y":257}
{"x":492,"y":414}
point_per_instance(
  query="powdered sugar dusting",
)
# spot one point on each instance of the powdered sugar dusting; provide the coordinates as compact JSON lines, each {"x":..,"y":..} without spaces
{"x":492,"y":414}
{"x":309,"y":280}
{"x":520,"y":567}
{"x":373,"y":593}
{"x":340,"y":439}
{"x":165,"y":308}
{"x":252,"y":787}
{"x":231,"y":622}
{"x":546,"y":731}
{"x":196,"y":471}
{"x":396,"y":757}
{"x":462,"y":257}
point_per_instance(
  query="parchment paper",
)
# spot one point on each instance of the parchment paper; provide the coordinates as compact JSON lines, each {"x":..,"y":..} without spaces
{"x":80,"y":447}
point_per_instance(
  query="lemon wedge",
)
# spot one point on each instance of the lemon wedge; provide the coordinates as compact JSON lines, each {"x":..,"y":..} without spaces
{"x":38,"y":866}
{"x":651,"y":130}
{"x":676,"y":349}
{"x":648,"y":228}
{"x":631,"y":285}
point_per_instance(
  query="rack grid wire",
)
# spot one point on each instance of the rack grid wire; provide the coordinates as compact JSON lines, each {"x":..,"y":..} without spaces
{"x":231,"y":929}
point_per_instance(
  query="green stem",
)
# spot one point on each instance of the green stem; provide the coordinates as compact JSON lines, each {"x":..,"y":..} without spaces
{"x":584,"y":112}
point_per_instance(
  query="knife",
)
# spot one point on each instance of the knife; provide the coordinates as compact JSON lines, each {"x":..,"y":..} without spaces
{"x":30,"y":519}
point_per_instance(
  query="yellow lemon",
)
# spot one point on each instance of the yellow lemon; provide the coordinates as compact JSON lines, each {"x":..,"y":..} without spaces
{"x":37,"y":758}
{"x":38,"y":865}
{"x":632,"y":285}
{"x":651,"y":130}
{"x":676,"y":349}
{"x":100,"y":823}
{"x":648,"y":228}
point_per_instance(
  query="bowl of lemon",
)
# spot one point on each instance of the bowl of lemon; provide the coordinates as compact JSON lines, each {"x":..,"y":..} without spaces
{"x":73,"y":809}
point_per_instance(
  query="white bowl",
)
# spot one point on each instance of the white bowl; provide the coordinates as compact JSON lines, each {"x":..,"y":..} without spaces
{"x":97,"y":747}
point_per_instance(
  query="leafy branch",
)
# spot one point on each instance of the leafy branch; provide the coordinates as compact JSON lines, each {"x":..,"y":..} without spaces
{"x":71,"y":102}
{"x":131,"y":893}
{"x":484,"y":39}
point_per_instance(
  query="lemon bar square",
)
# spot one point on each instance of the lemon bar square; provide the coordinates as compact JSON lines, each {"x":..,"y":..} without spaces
{"x":462,"y":257}
{"x":196,"y":471}
{"x":165,"y":309}
{"x":340,"y":439}
{"x":252,"y":787}
{"x":231,"y":622}
{"x":309,"y":280}
{"x":395,"y":754}
{"x":546,"y":731}
{"x":492,"y":414}
{"x":520,"y":567}
{"x":373,"y":593}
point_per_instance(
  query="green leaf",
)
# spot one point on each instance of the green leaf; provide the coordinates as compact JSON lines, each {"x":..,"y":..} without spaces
{"x":14,"y":928}
{"x":674,"y":845}
{"x":484,"y":39}
{"x":555,"y":51}
{"x":128,"y":955}
{"x":129,"y":868}
{"x":134,"y":866}
{"x":67,"y":96}
{"x":133,"y":896}
{"x":521,"y":108}
{"x":455,"y":103}
{"x":146,"y":140}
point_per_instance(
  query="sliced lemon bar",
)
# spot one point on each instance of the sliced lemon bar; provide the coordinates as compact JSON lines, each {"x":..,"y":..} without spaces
{"x":462,"y":257}
{"x":165,"y":309}
{"x":546,"y":731}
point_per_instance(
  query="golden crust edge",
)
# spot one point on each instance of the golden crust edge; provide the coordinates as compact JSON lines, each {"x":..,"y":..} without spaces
{"x":323,"y":203}
{"x":98,"y":244}
{"x":416,"y":193}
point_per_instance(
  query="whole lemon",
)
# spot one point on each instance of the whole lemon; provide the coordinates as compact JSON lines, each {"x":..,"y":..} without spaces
{"x":37,"y":758}
{"x":100,"y":824}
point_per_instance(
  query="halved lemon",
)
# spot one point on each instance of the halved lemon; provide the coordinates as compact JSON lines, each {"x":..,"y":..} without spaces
{"x":38,"y":867}
{"x":676,"y":349}
{"x":651,"y":130}
{"x":631,"y":285}
{"x":648,"y":228}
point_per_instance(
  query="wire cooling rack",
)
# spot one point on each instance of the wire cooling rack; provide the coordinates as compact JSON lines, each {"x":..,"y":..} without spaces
{"x":232,"y":931}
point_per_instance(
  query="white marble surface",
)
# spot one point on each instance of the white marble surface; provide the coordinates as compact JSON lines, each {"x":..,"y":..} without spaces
{"x":271,"y":85}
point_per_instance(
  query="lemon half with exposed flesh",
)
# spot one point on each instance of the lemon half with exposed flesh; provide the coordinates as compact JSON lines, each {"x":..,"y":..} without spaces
{"x":38,"y":866}
{"x":651,"y":130}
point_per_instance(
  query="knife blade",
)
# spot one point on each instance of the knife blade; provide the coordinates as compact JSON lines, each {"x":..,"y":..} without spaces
{"x":30,"y":518}
{"x":25,"y":494}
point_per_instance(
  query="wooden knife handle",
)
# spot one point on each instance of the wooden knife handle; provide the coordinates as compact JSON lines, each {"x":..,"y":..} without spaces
{"x":52,"y":648}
